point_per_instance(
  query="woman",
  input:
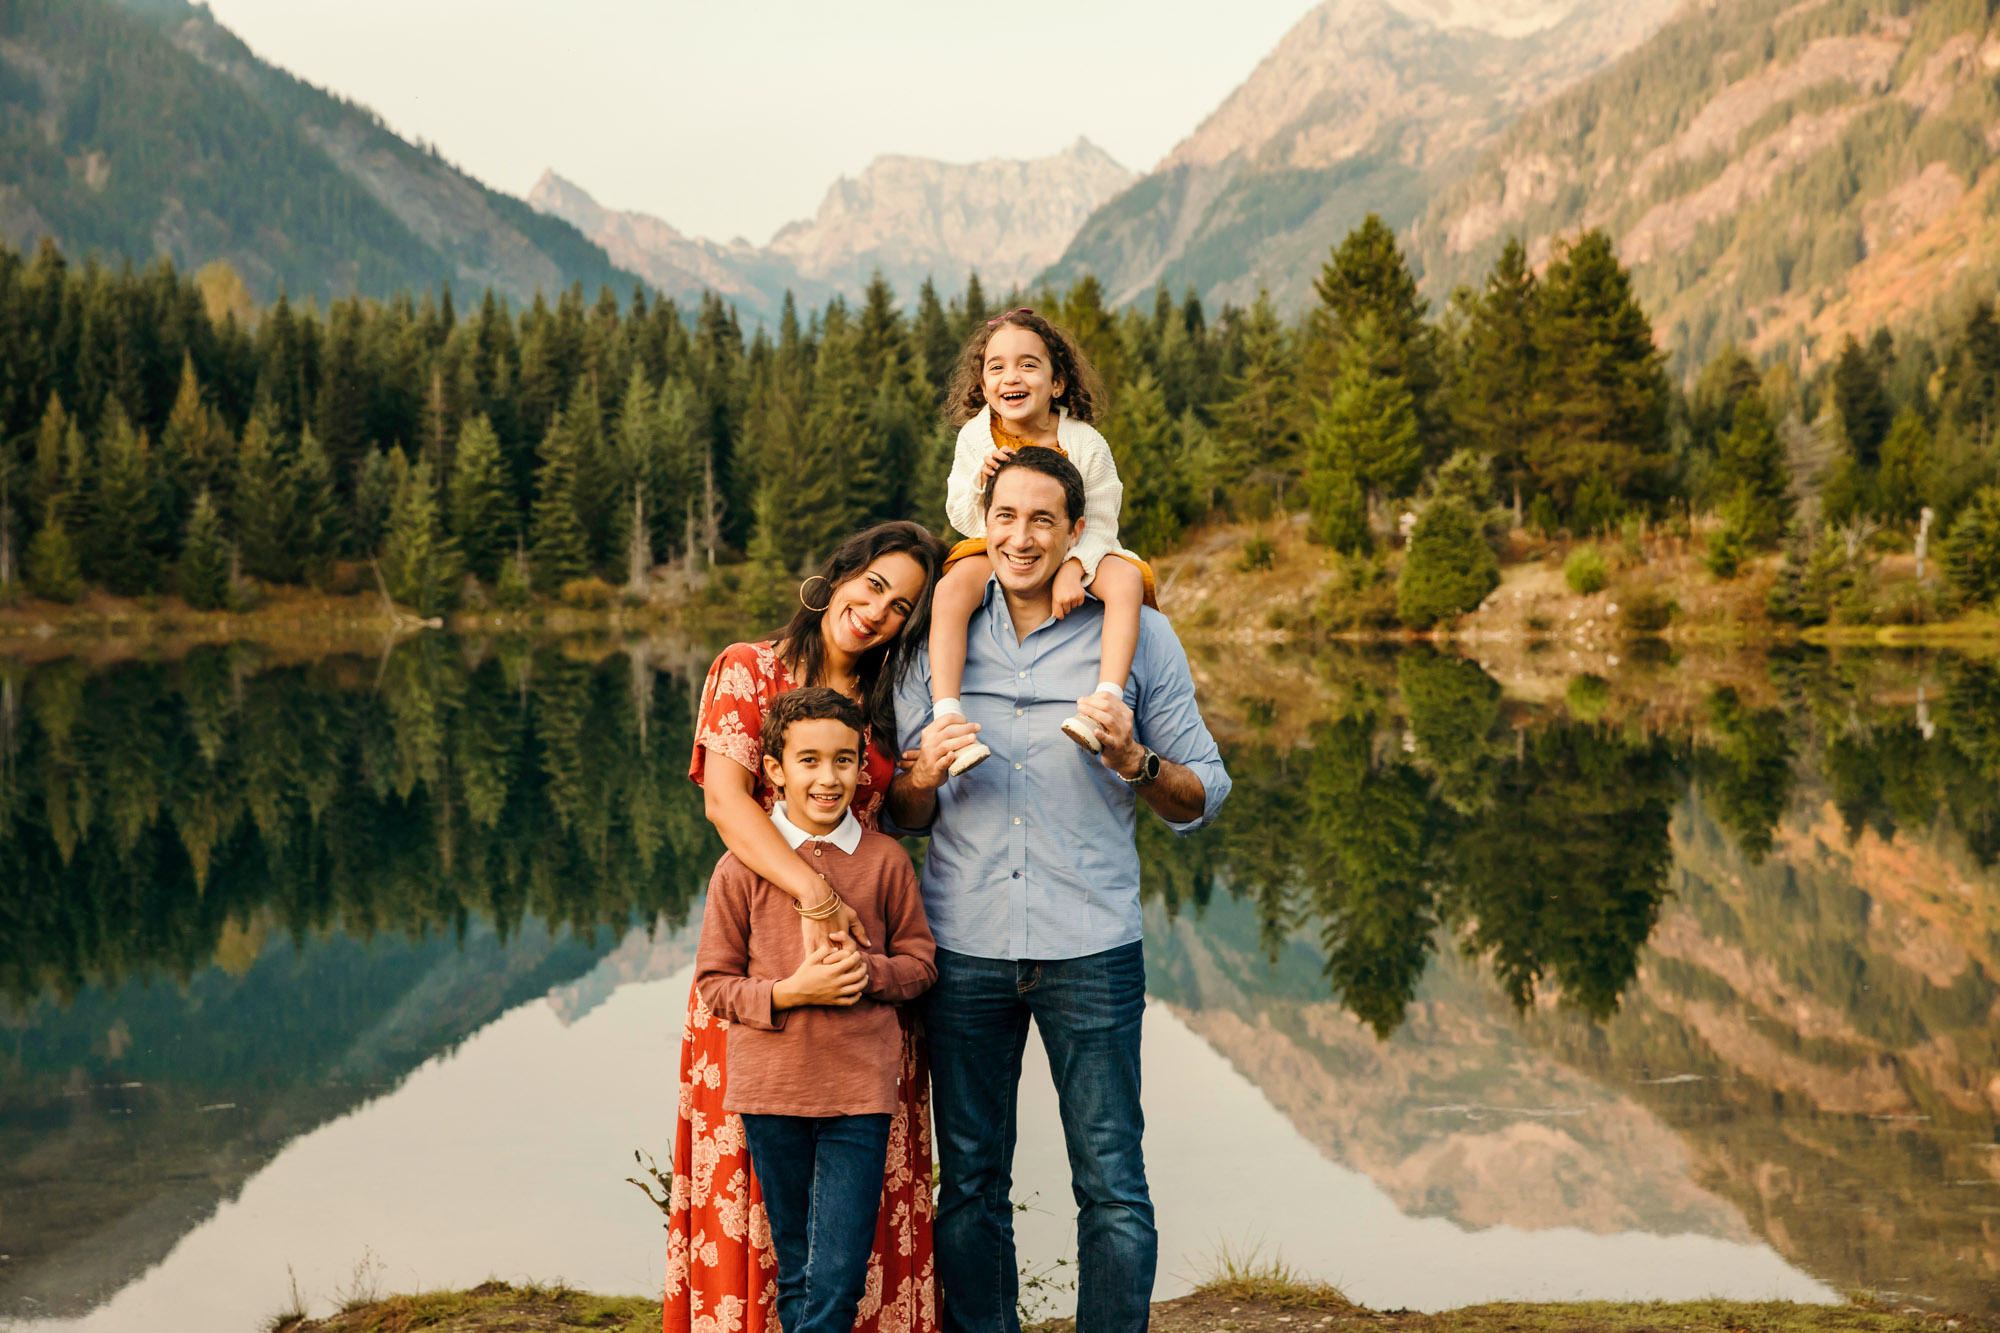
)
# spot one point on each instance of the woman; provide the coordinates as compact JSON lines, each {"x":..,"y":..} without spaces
{"x":857,"y":621}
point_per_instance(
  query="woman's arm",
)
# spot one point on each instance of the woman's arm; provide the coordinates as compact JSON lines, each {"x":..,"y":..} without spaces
{"x":748,"y":831}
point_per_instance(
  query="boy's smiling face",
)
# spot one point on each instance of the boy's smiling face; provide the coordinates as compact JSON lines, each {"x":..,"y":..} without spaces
{"x":818,"y":773}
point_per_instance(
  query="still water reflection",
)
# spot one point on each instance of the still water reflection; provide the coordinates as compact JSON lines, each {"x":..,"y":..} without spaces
{"x":1687,"y":982}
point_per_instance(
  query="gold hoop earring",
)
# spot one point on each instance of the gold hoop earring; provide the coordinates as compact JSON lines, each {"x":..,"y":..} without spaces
{"x":821,"y":578}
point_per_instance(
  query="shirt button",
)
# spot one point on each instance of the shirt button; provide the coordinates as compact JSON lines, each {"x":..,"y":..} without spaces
{"x":1024,"y":675}
{"x":1017,"y":768}
{"x":1018,"y":712}
{"x":1017,"y":819}
{"x":818,"y":850}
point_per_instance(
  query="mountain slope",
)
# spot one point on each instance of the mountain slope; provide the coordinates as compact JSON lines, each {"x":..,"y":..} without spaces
{"x":1775,"y":172}
{"x":1361,"y":108}
{"x":150,"y":129}
{"x":911,"y":218}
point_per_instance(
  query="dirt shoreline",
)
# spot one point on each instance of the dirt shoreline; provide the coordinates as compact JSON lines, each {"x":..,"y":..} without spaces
{"x":494,"y":1306}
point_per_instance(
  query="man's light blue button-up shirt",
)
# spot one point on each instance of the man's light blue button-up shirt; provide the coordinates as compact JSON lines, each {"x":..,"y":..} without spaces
{"x":1033,"y":853}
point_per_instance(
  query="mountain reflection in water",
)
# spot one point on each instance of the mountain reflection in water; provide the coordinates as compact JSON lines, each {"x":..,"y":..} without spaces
{"x":1651,"y":958}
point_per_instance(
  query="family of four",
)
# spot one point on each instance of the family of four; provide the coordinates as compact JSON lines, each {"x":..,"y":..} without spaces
{"x":980,"y":698}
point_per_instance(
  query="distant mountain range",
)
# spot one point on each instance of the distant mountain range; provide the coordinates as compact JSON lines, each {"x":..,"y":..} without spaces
{"x":1363,"y":107}
{"x":910,"y":218}
{"x":148,"y":129}
{"x":1776,"y":173}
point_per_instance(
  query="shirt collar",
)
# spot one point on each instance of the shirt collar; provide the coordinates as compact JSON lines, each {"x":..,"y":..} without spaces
{"x":846,"y":835}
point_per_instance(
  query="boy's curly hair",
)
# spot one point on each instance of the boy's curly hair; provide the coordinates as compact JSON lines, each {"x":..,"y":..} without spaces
{"x":1083,"y":392}
{"x":810,"y":704}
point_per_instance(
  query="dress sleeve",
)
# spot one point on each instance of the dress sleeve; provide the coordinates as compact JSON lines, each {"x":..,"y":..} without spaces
{"x":730,"y":720}
{"x":1103,"y":495}
{"x":961,"y":491}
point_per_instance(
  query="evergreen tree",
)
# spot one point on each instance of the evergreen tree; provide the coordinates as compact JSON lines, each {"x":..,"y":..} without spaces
{"x":1449,"y":568}
{"x":52,"y":448}
{"x":1259,"y":420}
{"x":317,"y":528}
{"x":54,"y":573}
{"x":262,"y":498}
{"x":121,"y":545}
{"x":937,"y":341}
{"x":1904,"y":478}
{"x":483,"y":520}
{"x":1366,"y":430}
{"x":374,"y":493}
{"x":194,"y":448}
{"x":1159,"y":498}
{"x":1971,"y":551}
{"x":1750,"y":470}
{"x":1495,"y":401}
{"x":561,"y":548}
{"x":419,"y":559}
{"x":205,"y":558}
{"x":1860,"y":403}
{"x":1601,"y":413}
{"x":1366,"y":281}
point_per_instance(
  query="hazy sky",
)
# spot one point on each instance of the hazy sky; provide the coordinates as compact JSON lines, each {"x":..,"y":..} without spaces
{"x":733,"y":116}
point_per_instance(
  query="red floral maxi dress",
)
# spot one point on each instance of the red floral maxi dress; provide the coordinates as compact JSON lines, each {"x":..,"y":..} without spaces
{"x":721,"y":1270}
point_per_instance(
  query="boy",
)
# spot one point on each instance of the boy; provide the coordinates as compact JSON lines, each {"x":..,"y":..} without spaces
{"x":814,"y":1042}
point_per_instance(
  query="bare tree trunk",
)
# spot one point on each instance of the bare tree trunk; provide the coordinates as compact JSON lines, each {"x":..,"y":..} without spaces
{"x":688,"y":547}
{"x":1923,"y":540}
{"x":711,"y":509}
{"x":6,"y":542}
{"x":639,"y":552}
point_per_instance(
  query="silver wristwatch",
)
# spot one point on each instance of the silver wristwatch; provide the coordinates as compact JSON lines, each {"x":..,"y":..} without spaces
{"x":1149,"y":770}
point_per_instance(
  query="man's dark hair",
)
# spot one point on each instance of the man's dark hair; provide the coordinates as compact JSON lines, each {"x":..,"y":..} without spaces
{"x":812,"y":704}
{"x":1050,"y":464}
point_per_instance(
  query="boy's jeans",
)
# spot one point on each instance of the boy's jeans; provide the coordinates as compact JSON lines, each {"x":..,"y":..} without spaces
{"x":1088,"y":1011}
{"x":822,"y":1182}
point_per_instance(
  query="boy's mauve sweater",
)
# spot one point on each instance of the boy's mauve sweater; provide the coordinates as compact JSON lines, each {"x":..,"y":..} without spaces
{"x":815,"y":1060}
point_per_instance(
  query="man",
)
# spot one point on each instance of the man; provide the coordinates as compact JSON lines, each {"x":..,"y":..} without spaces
{"x":1031,"y":885}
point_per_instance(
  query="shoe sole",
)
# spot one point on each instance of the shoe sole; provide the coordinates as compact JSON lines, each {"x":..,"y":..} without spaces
{"x":1079,"y":730}
{"x":971,"y":757}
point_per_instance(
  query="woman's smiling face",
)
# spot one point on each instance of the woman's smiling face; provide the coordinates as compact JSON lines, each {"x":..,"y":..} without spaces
{"x":1016,"y":378}
{"x":871,"y":608}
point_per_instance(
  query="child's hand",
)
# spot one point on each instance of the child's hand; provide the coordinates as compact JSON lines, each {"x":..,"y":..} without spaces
{"x":1069,"y":587}
{"x":827,"y":976}
{"x":992,"y":464}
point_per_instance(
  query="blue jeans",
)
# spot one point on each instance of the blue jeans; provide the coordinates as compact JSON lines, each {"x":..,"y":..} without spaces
{"x":1088,"y":1011}
{"x":822,"y":1182}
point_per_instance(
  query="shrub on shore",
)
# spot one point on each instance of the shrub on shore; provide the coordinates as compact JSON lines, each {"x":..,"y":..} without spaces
{"x":1449,"y":568}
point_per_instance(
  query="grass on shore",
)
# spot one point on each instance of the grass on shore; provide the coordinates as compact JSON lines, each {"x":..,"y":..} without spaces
{"x":1238,"y":1297}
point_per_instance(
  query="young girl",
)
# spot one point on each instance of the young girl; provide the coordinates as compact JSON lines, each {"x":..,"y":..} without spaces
{"x":1021,"y":381}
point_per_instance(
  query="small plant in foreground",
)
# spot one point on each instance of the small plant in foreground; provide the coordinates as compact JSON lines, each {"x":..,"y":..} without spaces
{"x":1246,"y":1275}
{"x":1259,"y":552}
{"x":1584,"y":571}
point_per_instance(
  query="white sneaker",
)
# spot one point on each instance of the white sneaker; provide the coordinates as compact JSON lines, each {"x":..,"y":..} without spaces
{"x":969,"y":758}
{"x":1084,"y":732}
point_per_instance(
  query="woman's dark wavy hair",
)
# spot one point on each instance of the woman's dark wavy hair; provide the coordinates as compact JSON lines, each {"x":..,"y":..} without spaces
{"x":881,"y":668}
{"x":1083,"y":391}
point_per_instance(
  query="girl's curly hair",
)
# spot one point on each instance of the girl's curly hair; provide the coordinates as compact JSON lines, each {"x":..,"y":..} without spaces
{"x":1082,"y":394}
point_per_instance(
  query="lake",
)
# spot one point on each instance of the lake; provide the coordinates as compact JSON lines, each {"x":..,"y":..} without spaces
{"x":1673,"y":978}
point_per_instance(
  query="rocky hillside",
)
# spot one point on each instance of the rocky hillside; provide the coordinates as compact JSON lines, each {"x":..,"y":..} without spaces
{"x":1362,"y":107}
{"x":909,"y":217}
{"x":147,"y":128}
{"x":1779,"y":173}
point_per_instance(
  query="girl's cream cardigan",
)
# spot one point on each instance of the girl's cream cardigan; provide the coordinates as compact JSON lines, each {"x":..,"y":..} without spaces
{"x":1102,"y":491}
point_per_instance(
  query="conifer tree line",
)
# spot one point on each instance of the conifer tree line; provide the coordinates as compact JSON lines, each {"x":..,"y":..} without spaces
{"x":148,"y":446}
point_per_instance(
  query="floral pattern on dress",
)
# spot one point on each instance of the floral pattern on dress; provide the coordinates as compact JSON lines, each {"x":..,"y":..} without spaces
{"x":721,"y":1268}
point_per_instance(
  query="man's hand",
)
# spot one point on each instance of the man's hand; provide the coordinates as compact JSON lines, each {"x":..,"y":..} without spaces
{"x":836,"y":931}
{"x":827,"y":976}
{"x":1113,"y":720}
{"x":1068,"y":589}
{"x":992,"y":464}
{"x":938,"y":744}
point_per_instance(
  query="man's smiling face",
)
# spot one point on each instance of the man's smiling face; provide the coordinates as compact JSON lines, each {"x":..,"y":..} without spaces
{"x":1028,"y":530}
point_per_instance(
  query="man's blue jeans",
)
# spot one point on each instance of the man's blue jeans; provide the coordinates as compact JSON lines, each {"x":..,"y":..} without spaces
{"x":822,"y":1182}
{"x":1088,"y":1011}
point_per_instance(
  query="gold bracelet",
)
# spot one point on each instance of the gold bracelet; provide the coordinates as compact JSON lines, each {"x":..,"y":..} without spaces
{"x":821,"y":911}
